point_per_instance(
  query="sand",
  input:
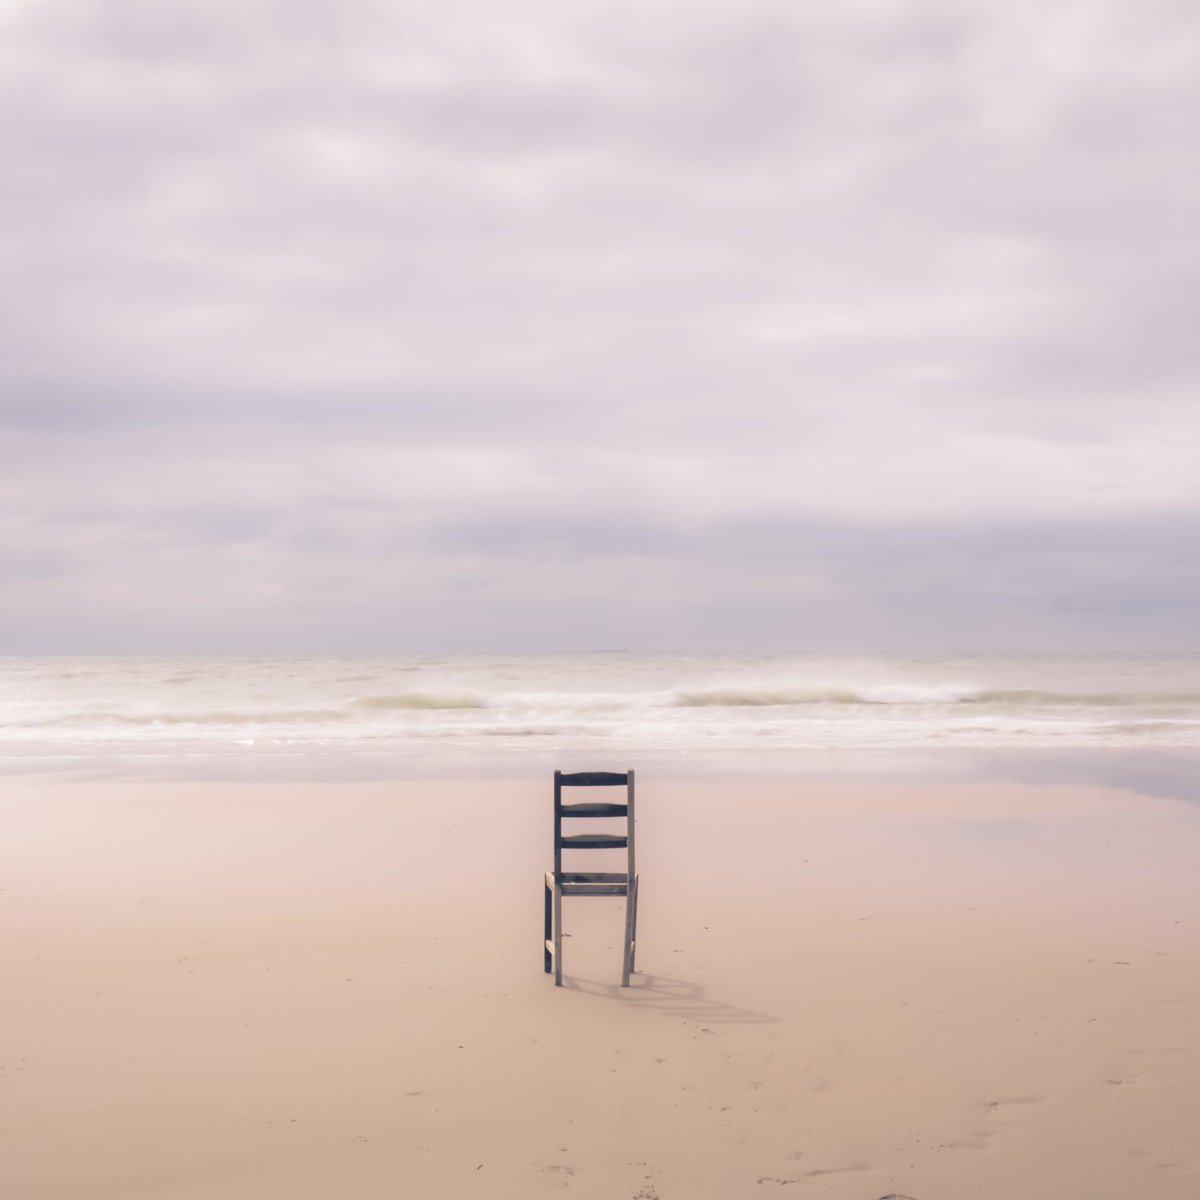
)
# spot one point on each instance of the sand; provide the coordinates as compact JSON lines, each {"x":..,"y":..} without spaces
{"x":850,"y":989}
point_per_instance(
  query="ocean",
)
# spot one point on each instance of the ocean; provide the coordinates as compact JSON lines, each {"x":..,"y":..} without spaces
{"x":535,"y":711}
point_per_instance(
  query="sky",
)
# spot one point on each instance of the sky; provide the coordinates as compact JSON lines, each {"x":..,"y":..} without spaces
{"x":380,"y":326}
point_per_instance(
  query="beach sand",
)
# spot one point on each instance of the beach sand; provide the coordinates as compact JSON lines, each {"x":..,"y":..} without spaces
{"x":849,"y":989}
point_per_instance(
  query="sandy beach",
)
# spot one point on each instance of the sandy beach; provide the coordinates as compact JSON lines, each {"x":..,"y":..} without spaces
{"x":851,"y":989}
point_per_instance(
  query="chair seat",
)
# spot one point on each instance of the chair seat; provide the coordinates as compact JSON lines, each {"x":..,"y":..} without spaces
{"x":591,"y":883}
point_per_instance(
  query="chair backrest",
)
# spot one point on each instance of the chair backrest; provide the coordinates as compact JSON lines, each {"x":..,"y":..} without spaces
{"x":595,"y":841}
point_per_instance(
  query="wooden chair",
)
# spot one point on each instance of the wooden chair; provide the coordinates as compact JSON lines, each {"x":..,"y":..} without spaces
{"x":560,"y":883}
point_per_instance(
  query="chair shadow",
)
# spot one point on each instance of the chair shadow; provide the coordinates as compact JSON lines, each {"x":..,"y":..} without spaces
{"x":672,"y":998}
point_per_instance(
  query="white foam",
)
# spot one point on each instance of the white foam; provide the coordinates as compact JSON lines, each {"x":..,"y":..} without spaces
{"x":625,"y":704}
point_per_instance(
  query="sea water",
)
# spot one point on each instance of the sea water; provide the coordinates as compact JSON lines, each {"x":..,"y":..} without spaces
{"x":534,"y":710}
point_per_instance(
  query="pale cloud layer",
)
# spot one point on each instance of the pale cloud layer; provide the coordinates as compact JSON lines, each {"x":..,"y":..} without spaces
{"x":379,"y":325}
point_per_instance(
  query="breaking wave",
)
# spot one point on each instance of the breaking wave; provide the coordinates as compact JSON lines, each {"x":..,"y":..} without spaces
{"x":914,"y":694}
{"x":777,"y":697}
{"x":119,"y":719}
{"x":414,"y":700}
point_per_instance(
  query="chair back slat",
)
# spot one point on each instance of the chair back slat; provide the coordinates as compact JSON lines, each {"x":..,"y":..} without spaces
{"x":594,"y":841}
{"x":594,"y":810}
{"x":594,"y":779}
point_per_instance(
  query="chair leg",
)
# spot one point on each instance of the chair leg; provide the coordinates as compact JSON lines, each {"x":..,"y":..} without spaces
{"x":557,"y":933}
{"x":630,"y":908}
{"x":547,"y":928}
{"x":633,"y":947}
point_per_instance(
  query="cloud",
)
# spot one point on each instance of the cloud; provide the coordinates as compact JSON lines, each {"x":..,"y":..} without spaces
{"x":383,"y":324}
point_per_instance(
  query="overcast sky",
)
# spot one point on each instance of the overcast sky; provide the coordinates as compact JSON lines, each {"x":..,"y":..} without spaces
{"x":366,"y":325}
